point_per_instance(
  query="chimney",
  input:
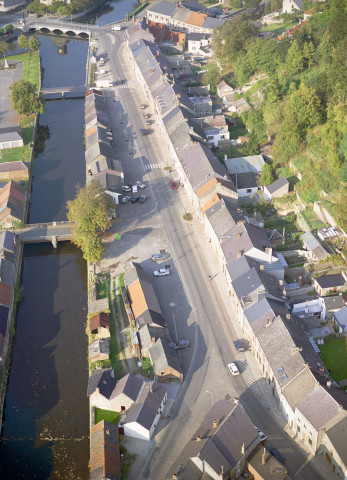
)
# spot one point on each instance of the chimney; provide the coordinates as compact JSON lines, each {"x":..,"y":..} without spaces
{"x":198,"y":438}
{"x":288,"y":316}
{"x":215,"y":423}
{"x":239,"y":254}
{"x":122,"y":409}
{"x":174,"y":476}
{"x":280,"y":282}
{"x":153,"y":340}
{"x":261,"y":267}
{"x":158,"y":52}
{"x":300,"y":281}
{"x":263,"y":457}
{"x":243,"y":449}
{"x":225,"y":158}
{"x":238,"y":234}
{"x":151,"y":387}
{"x":329,"y":383}
{"x":151,"y":71}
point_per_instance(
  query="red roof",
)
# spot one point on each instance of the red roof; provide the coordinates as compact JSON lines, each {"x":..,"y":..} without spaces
{"x":99,"y":320}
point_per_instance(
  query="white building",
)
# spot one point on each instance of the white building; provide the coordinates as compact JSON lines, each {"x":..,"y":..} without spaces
{"x":290,"y":5}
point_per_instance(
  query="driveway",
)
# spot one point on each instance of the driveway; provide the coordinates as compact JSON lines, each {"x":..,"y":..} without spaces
{"x":8,"y":117}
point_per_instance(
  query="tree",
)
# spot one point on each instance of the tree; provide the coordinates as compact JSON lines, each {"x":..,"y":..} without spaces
{"x":295,"y":59}
{"x":23,"y":42}
{"x":273,"y":92}
{"x":308,"y":54}
{"x":252,"y":146}
{"x":267,"y":174}
{"x":306,"y":107}
{"x":9,"y":28}
{"x":2,"y":31}
{"x":89,"y":212}
{"x":211,"y":77}
{"x":34,"y":43}
{"x":25,"y":99}
{"x":3,"y":49}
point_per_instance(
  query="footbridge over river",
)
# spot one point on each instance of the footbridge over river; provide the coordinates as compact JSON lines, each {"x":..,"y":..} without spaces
{"x":45,"y":232}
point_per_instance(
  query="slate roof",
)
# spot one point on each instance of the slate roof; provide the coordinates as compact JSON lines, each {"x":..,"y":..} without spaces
{"x":265,"y":310}
{"x":193,"y":5}
{"x":3,"y":319}
{"x":145,"y":409}
{"x":5,"y":294}
{"x":99,"y":320}
{"x":250,"y":237}
{"x":163,"y":8}
{"x":162,"y":357}
{"x":104,"y":380}
{"x":181,"y":15}
{"x":109,"y":180}
{"x":197,"y":37}
{"x":8,"y":167}
{"x":245,"y":180}
{"x":240,"y":266}
{"x":10,"y":134}
{"x":334,"y":302}
{"x":330,"y":281}
{"x":104,"y":452}
{"x":7,"y":271}
{"x":328,"y":407}
{"x":150,"y":317}
{"x":12,"y":200}
{"x":7,"y":244}
{"x":217,"y":445}
{"x":337,"y":435}
{"x":299,"y":387}
{"x":341,"y":318}
{"x":212,"y":23}
{"x":98,"y":134}
{"x":249,"y":284}
{"x":98,"y":149}
{"x":221,"y":216}
{"x":276,"y":185}
{"x":99,"y":346}
{"x":129,"y":385}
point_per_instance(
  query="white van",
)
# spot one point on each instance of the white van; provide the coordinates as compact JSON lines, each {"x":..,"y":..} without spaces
{"x":117,"y":27}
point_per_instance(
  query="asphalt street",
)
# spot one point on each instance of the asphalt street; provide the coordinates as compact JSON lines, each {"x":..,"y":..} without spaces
{"x":193,"y":306}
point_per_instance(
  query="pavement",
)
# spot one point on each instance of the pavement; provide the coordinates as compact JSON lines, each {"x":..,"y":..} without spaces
{"x":194,"y":307}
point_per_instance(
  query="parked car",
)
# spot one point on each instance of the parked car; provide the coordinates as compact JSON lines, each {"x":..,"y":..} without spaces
{"x":135,"y":199}
{"x":181,"y":344}
{"x":275,"y":453}
{"x":238,"y":345}
{"x":161,"y":272}
{"x":173,"y":185}
{"x":159,"y":256}
{"x":233,"y":369}
{"x":143,"y":131}
{"x":126,"y":188}
{"x":148,"y":122}
{"x":143,"y":106}
{"x":125,"y":199}
{"x":146,"y":115}
{"x":261,"y":434}
{"x":140,"y":184}
{"x":143,"y":198}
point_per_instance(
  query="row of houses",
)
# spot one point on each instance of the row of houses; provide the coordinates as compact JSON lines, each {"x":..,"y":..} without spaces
{"x":101,"y":163}
{"x":253,"y":270}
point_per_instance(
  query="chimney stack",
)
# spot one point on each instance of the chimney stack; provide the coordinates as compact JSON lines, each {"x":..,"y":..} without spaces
{"x":261,"y":267}
{"x":198,"y":438}
{"x":174,"y":476}
{"x":239,"y":254}
{"x":215,"y":423}
{"x":243,"y":449}
{"x":300,"y":281}
{"x":263,"y":457}
{"x":238,"y":234}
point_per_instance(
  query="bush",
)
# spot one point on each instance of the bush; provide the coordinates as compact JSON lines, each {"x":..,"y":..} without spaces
{"x":188,"y":217}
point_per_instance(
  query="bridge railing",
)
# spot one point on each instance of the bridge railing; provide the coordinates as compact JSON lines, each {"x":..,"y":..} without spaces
{"x":69,"y":88}
{"x":47,"y":224}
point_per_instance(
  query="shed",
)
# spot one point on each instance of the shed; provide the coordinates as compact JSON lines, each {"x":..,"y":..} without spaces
{"x":277,"y":189}
{"x":246,"y":183}
{"x":165,"y":362}
{"x":11,"y":137}
{"x":253,"y":163}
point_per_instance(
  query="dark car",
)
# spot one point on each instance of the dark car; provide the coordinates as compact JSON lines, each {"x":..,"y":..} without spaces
{"x":143,"y":198}
{"x":143,"y":131}
{"x":146,"y":115}
{"x":135,"y":199}
{"x":181,"y":344}
{"x":239,"y":347}
{"x":275,"y":453}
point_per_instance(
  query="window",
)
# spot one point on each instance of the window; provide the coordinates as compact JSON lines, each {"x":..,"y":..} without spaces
{"x":298,"y":428}
{"x":310,"y":442}
{"x":249,"y":190}
{"x":210,"y":137}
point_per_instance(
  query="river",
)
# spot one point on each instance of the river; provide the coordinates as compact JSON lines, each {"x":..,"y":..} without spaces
{"x":46,"y":416}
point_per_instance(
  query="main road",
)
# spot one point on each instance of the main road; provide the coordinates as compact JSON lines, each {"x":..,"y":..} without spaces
{"x":212,"y":321}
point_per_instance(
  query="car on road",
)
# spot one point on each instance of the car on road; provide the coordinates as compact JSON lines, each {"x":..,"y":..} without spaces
{"x":146,"y":115}
{"x":143,"y":131}
{"x":161,"y":272}
{"x":181,"y":344}
{"x":238,"y":345}
{"x":135,"y":199}
{"x":275,"y":453}
{"x":173,"y":185}
{"x":261,"y":434}
{"x":125,"y":199}
{"x":233,"y":369}
{"x":140,"y":184}
{"x":159,"y":256}
{"x":143,"y":198}
{"x":148,"y":122}
{"x":126,"y":188}
{"x":143,"y":106}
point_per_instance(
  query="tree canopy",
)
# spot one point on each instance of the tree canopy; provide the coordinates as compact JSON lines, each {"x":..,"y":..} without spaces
{"x":90,"y":213}
{"x":25,"y":99}
{"x":3,"y":49}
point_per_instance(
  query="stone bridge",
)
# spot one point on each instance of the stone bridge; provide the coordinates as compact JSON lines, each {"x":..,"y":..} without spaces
{"x":60,"y":27}
{"x":45,"y":232}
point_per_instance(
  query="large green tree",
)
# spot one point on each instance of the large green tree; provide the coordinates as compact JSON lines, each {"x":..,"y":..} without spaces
{"x":34,"y":43}
{"x":306,"y":107}
{"x":3,"y":49}
{"x":23,"y":42}
{"x":25,"y":99}
{"x":90,"y":213}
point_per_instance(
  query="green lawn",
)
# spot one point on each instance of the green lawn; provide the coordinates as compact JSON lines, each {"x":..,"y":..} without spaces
{"x":334,"y":356}
{"x":147,"y":367}
{"x":103,"y":286}
{"x":31,"y":66}
{"x":112,"y":417}
{"x":278,"y":28}
{"x":313,"y":221}
{"x":238,"y":130}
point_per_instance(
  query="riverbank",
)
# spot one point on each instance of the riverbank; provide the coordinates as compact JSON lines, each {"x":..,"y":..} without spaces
{"x":31,"y":72}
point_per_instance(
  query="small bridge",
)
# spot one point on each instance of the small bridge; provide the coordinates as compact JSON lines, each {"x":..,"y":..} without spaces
{"x":64,"y":92}
{"x":45,"y":232}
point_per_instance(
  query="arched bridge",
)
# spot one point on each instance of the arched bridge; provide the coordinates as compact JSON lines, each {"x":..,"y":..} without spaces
{"x":60,"y":27}
{"x":45,"y":232}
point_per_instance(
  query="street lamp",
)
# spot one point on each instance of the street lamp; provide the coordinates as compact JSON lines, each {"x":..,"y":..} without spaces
{"x":211,"y":395}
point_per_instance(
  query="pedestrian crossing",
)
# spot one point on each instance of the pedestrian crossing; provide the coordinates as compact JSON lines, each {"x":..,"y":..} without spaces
{"x":150,"y":166}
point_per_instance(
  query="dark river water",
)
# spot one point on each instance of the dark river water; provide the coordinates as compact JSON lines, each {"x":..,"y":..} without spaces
{"x":45,"y":431}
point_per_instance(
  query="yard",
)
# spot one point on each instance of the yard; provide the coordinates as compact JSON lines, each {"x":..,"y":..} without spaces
{"x":334,"y":356}
{"x":20,"y":153}
{"x":112,"y":417}
{"x":313,"y":221}
{"x":238,"y":130}
{"x":147,"y":367}
{"x":31,"y":66}
{"x":278,"y":28}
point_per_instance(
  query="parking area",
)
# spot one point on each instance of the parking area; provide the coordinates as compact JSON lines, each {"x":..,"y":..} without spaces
{"x":8,"y":117}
